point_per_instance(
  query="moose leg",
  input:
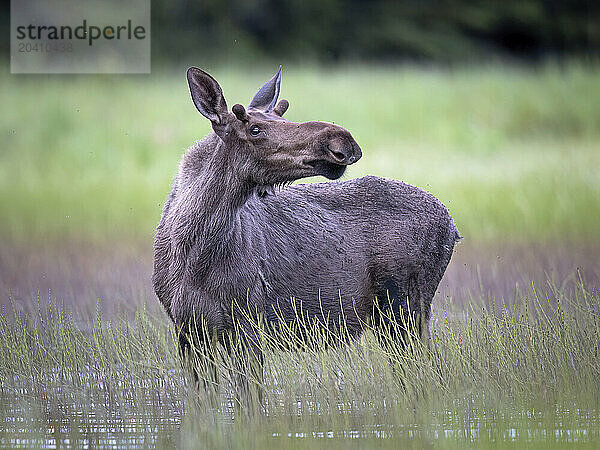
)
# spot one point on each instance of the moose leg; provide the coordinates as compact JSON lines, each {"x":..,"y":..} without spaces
{"x":246,"y":372}
{"x":197,"y":352}
{"x":421,"y":291}
{"x":402,"y":321}
{"x":391,"y":337}
{"x":246,"y":352}
{"x":391,"y":316}
{"x":250,"y":377}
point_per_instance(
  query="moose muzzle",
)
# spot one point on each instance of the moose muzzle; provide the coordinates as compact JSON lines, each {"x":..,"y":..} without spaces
{"x":344,"y":150}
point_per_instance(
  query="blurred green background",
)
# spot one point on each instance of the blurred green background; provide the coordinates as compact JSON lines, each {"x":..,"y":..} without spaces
{"x":492,"y":106}
{"x":512,"y":151}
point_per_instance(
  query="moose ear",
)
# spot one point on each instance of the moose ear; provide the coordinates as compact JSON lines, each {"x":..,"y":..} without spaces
{"x":207,"y":95}
{"x":266,"y":97}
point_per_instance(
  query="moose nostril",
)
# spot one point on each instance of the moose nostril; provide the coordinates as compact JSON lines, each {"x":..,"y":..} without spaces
{"x":336,"y":149}
{"x":338,"y":155}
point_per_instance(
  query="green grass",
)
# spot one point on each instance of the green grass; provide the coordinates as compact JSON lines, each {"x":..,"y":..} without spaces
{"x":512,"y":152}
{"x":524,"y":375}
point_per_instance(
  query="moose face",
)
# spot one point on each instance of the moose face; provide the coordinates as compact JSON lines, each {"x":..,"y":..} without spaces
{"x":266,"y":148}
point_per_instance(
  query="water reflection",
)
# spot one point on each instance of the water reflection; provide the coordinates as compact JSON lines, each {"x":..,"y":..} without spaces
{"x":155,"y":424}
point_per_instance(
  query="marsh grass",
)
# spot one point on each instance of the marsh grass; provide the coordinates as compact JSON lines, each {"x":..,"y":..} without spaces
{"x":518,"y":373}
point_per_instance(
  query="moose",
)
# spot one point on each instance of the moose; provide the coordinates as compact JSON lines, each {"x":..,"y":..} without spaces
{"x":235,"y":231}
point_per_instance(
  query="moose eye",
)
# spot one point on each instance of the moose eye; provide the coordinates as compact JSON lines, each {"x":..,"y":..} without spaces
{"x":254,"y":130}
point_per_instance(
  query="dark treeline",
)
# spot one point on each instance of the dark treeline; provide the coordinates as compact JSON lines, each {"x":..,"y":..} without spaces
{"x":331,"y":30}
{"x":387,"y":30}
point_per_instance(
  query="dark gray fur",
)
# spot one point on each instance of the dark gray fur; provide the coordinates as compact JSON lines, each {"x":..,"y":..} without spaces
{"x":348,"y":243}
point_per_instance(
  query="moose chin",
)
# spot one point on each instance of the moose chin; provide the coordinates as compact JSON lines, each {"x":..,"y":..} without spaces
{"x":236,"y":239}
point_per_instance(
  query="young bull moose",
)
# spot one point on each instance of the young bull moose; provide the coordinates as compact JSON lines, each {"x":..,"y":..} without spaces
{"x":235,"y":236}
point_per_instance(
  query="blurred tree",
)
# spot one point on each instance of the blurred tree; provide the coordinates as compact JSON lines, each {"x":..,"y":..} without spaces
{"x":331,"y":30}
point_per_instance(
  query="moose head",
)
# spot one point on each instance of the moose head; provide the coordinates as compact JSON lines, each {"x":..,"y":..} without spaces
{"x":265,"y":148}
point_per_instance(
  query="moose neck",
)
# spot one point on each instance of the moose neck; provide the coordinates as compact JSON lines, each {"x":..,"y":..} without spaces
{"x":214,"y":201}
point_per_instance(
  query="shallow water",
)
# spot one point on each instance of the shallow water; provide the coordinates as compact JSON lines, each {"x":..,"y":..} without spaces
{"x":163,"y":427}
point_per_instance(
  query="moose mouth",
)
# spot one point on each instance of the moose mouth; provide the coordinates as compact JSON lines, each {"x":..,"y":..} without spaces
{"x":328,"y":169}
